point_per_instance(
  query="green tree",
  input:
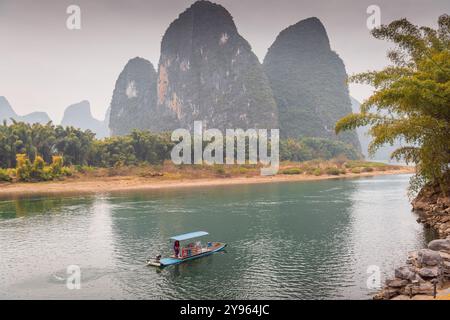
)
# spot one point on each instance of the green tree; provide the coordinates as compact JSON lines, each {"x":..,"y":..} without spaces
{"x":150,"y":147}
{"x":295,"y":150}
{"x":411,"y":101}
{"x":74,"y":144}
{"x":44,"y":140}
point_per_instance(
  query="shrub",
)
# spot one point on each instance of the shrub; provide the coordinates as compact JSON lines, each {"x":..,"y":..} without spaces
{"x":23,"y":167}
{"x":57,"y":164}
{"x":243,"y":170}
{"x":66,"y":171}
{"x":37,"y":170}
{"x":364,"y":164}
{"x":12,"y":172}
{"x":292,"y":171}
{"x":83,"y":169}
{"x":219,"y":169}
{"x":4,"y":175}
{"x":317,"y":172}
{"x":367,"y":169}
{"x":333,"y":171}
{"x":356,"y":170}
{"x":309,"y":170}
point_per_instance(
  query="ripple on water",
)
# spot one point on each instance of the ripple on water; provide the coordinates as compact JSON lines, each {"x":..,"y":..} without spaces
{"x":285,"y":241}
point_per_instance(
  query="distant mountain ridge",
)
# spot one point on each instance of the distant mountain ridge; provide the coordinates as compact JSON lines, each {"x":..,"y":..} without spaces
{"x":77,"y":115}
{"x":7,"y":113}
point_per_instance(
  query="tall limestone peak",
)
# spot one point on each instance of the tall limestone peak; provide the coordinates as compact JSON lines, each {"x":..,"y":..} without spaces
{"x":79,"y":115}
{"x":308,"y":81}
{"x":134,"y":99}
{"x":203,"y":23}
{"x":208,"y":72}
{"x":307,"y":36}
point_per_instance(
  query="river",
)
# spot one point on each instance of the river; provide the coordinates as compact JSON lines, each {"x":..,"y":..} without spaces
{"x":302,"y":240}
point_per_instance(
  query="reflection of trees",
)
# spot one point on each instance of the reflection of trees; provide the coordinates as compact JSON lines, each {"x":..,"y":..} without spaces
{"x":22,"y":207}
{"x":279,"y":235}
{"x":299,"y":227}
{"x":295,"y":236}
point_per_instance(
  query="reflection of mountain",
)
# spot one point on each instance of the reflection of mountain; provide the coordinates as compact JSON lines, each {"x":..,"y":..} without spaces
{"x":383,"y":153}
{"x":7,"y":113}
{"x":62,"y":231}
{"x":79,"y":116}
{"x":289,"y":234}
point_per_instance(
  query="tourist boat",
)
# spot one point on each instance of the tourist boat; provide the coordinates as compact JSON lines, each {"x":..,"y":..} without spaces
{"x":188,"y":252}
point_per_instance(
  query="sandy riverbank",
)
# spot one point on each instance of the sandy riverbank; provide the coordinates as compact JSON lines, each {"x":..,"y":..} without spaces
{"x":134,"y":183}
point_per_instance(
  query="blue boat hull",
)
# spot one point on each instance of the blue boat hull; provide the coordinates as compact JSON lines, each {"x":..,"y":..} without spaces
{"x":172,"y":261}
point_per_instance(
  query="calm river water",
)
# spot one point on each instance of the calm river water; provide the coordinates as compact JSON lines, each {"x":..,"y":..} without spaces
{"x":307,"y":240}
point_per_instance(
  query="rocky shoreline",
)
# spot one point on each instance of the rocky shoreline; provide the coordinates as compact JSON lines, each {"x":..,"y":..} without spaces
{"x":426,"y":271}
{"x":434,"y":210}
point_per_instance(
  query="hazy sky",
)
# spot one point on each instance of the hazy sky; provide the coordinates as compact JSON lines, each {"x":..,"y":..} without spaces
{"x":45,"y":66}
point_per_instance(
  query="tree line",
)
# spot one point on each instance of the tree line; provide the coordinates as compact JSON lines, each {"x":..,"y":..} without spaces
{"x":78,"y":147}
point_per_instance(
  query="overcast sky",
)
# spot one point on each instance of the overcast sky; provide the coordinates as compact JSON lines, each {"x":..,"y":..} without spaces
{"x":45,"y":66}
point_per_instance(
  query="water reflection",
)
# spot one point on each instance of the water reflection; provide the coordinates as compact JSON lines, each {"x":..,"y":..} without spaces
{"x":286,"y":241}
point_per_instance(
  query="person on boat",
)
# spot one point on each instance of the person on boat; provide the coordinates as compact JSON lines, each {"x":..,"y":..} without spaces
{"x":176,"y":248}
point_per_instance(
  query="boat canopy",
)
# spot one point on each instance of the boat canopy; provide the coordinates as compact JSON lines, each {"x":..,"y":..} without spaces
{"x":189,"y":235}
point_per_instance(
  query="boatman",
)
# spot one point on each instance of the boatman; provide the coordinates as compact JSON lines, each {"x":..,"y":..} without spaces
{"x":176,"y":248}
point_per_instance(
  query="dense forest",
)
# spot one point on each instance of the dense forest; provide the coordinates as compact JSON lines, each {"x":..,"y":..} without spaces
{"x":47,"y":151}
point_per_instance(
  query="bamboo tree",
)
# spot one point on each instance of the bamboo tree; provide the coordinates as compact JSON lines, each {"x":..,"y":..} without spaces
{"x":411,"y":100}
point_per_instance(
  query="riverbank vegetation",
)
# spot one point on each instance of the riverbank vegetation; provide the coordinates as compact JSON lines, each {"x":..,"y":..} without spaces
{"x":36,"y":171}
{"x":411,"y":102}
{"x":39,"y":152}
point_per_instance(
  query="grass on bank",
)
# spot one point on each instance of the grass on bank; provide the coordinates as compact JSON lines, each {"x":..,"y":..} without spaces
{"x":334,"y":167}
{"x":39,"y":171}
